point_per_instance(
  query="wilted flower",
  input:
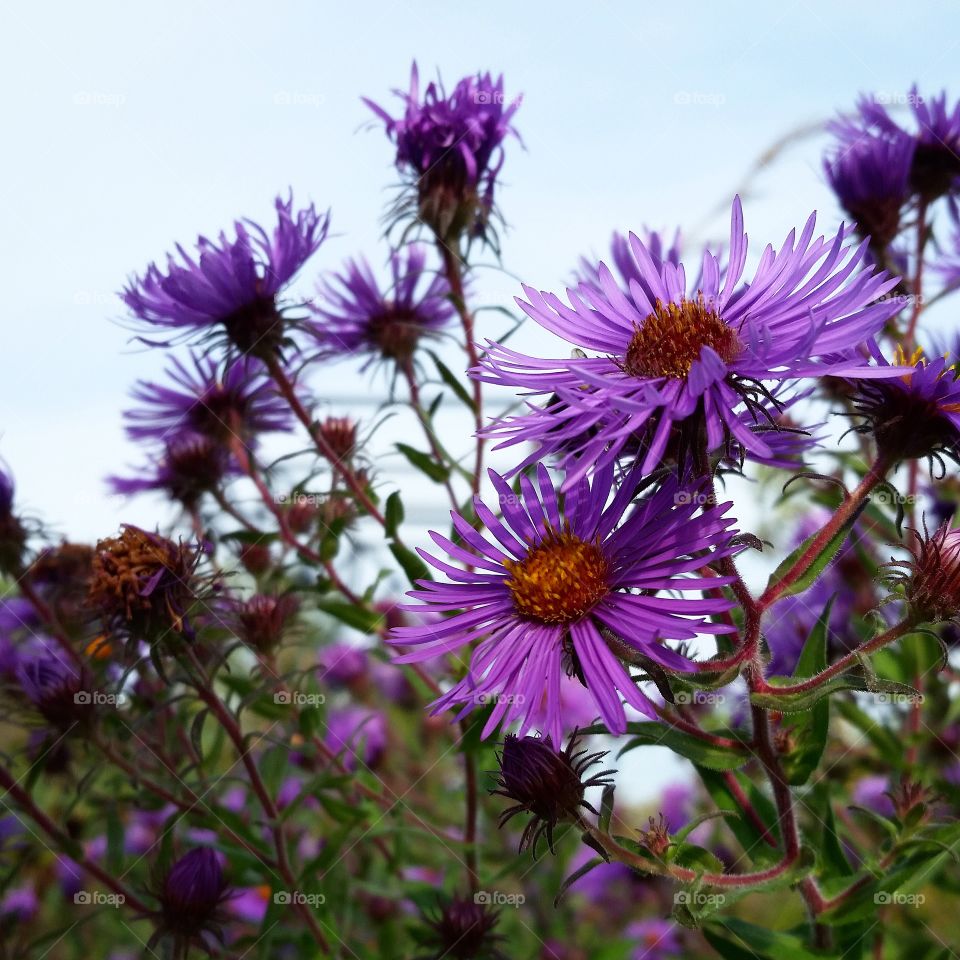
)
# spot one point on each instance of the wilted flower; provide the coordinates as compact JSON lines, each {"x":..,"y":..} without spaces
{"x":669,"y":353}
{"x":557,"y":586}
{"x":356,"y":317}
{"x":143,"y":584}
{"x":546,"y":784}
{"x":62,"y":575}
{"x":232,"y":287}
{"x":451,"y":148}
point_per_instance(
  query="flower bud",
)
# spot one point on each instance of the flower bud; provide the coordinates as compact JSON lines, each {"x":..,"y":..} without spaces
{"x":547,"y":784}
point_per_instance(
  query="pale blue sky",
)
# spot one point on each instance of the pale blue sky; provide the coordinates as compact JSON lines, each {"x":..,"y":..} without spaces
{"x":129,"y":126}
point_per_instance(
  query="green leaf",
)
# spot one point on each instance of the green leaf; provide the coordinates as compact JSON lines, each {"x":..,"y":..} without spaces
{"x":810,"y":729}
{"x":437,"y":472}
{"x":450,"y":379}
{"x":360,"y":618}
{"x":393,"y":514}
{"x":833,"y":859}
{"x":701,"y":752}
{"x":412,"y":565}
{"x":606,"y":808}
{"x":817,"y":566}
{"x":851,"y":680}
{"x":736,"y":939}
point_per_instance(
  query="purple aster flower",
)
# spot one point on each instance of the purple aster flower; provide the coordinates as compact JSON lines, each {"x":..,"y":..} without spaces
{"x":935,"y":162}
{"x":21,"y":902}
{"x":552,"y":595}
{"x":660,"y":249}
{"x":451,"y":148}
{"x":211,"y":400}
{"x":916,"y":415}
{"x":359,"y":734}
{"x":189,"y":466}
{"x":656,"y":939}
{"x":667,"y":354}
{"x":873,"y":792}
{"x":356,"y":317}
{"x":342,"y":664}
{"x":870,"y":177}
{"x":233,"y":285}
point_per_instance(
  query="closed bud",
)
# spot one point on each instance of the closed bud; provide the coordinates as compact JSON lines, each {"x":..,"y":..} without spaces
{"x":545,"y":784}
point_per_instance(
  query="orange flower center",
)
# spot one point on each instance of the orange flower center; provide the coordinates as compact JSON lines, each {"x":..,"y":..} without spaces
{"x":559,"y":580}
{"x":668,"y":341}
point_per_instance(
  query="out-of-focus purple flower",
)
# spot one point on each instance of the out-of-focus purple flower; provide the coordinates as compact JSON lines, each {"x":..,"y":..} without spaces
{"x":655,"y":939}
{"x":935,"y":141}
{"x":356,"y":317}
{"x":212,"y":400}
{"x":21,"y":902}
{"x":873,"y":792}
{"x":189,"y":466}
{"x":342,"y":664}
{"x":192,"y":892}
{"x":60,"y":691}
{"x":358,"y":735}
{"x":13,"y":537}
{"x":250,"y":903}
{"x":666,"y":353}
{"x":451,"y":149}
{"x":232,"y":286}
{"x":870,"y":177}
{"x":392,"y":684}
{"x":676,"y":804}
{"x":548,"y":584}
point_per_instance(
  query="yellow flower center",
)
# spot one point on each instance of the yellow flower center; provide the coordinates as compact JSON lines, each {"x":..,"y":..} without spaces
{"x":559,"y":580}
{"x":670,"y":339}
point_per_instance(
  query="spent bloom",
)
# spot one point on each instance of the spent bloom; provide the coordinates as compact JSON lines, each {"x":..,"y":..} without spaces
{"x":232,"y":286}
{"x":549,"y":590}
{"x":356,"y":317}
{"x":143,"y":583}
{"x":451,"y":149}
{"x":669,"y":353}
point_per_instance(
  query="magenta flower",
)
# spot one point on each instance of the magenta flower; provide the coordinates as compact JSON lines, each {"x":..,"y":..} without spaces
{"x":555,"y":589}
{"x":232,"y":287}
{"x":667,"y":353}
